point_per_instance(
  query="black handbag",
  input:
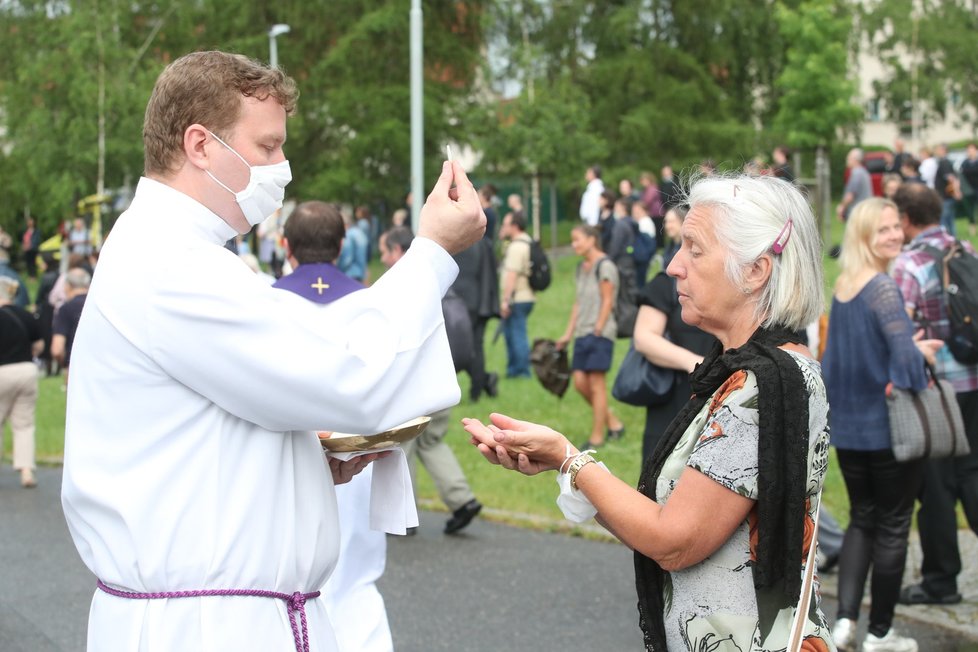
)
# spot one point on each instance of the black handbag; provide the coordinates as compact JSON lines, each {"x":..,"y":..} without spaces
{"x":641,"y":383}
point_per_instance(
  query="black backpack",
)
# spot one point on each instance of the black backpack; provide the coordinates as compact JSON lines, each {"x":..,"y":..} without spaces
{"x":959,"y":285}
{"x":539,"y":267}
{"x":643,"y":245}
{"x":626,"y":306}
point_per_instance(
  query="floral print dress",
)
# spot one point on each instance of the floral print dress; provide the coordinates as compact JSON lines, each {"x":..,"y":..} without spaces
{"x":713,"y":605}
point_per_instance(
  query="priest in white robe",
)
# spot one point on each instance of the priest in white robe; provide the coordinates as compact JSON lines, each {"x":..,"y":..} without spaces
{"x":191,"y":468}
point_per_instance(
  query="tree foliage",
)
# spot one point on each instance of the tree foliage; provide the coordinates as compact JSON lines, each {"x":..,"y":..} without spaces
{"x":349,"y":141}
{"x":629,"y":84}
{"x":935,"y":37}
{"x":818,"y":92}
{"x":653,"y":81}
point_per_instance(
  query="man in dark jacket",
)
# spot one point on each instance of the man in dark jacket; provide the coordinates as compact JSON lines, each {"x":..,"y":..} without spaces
{"x":479,"y":288}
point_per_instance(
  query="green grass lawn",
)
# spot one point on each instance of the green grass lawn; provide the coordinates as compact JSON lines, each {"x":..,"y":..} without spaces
{"x":524,"y":399}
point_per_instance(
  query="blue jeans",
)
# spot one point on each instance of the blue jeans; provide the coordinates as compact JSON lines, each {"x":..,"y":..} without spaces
{"x":517,"y":342}
{"x":948,"y":209}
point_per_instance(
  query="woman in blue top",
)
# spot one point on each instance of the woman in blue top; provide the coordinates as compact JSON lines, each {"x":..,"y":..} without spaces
{"x":870,"y":344}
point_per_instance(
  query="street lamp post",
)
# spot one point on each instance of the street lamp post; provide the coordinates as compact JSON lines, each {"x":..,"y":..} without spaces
{"x":276,"y":31}
{"x":417,"y":113}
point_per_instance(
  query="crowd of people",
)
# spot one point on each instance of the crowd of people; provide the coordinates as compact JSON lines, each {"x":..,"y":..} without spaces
{"x":727,"y":512}
{"x":37,"y":334}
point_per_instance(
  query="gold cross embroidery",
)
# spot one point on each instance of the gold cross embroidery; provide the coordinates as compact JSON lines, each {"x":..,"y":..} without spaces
{"x":319,"y":285}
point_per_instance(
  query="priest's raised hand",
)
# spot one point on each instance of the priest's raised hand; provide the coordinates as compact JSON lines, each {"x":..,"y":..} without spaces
{"x":452,"y":216}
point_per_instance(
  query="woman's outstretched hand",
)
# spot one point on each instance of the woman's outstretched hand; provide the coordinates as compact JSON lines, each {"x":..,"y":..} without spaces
{"x":927,"y":348}
{"x":519,"y":445}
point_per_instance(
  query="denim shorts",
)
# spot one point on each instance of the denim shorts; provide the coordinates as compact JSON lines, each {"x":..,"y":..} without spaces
{"x":592,"y":353}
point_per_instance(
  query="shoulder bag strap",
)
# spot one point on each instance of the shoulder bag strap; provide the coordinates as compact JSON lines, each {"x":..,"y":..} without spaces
{"x":796,"y":633}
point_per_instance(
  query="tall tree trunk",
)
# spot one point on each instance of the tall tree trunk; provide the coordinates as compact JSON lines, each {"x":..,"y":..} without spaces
{"x":823,"y":193}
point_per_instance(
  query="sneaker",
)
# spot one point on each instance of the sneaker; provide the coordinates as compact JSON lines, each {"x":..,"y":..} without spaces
{"x":892,"y":642}
{"x":844,"y":635}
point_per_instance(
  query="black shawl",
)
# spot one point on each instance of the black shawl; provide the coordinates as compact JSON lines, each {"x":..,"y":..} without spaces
{"x":782,"y":468}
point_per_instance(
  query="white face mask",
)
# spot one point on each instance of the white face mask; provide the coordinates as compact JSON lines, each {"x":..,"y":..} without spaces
{"x":573,"y":503}
{"x":265,"y":190}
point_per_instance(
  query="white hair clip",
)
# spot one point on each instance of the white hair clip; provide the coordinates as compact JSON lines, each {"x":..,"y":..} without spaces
{"x":783,"y":237}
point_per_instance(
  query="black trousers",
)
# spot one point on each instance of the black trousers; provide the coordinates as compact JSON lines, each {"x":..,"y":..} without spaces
{"x":477,"y":369}
{"x":882,"y":492}
{"x":946,"y":481}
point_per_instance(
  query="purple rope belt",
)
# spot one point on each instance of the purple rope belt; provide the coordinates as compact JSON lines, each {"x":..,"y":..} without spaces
{"x":296,"y":602}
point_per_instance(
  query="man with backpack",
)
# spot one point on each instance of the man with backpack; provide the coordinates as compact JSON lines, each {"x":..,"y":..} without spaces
{"x":517,"y":297}
{"x":931,"y":275}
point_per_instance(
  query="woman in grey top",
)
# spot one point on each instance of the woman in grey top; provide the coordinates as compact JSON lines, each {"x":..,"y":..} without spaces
{"x":592,"y":325}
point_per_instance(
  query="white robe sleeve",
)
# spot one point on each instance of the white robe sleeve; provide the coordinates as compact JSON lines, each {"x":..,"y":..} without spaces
{"x":368,"y":361}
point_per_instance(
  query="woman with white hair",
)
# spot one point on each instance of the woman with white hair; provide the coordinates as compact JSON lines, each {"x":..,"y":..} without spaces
{"x":723,"y":519}
{"x":20,"y":341}
{"x":870,"y":345}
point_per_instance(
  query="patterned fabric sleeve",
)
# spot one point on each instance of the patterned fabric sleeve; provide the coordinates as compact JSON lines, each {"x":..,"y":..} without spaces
{"x":726,"y":451}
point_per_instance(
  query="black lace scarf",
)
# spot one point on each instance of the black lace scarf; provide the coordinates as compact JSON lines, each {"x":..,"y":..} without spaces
{"x":782,"y":469}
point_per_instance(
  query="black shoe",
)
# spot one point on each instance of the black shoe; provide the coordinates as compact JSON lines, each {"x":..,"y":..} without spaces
{"x":492,"y":384}
{"x":917,"y":594}
{"x":612,"y":435}
{"x":463,"y":516}
{"x":829,"y":563}
{"x":587,"y":445}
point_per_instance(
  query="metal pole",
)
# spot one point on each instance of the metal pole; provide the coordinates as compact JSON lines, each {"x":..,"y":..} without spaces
{"x":274,"y":32}
{"x":914,"y":115}
{"x":417,"y":115}
{"x":96,"y":226}
{"x":553,"y":214}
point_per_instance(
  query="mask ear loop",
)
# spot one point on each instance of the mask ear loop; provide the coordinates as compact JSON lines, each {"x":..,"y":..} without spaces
{"x":782,"y":240}
{"x":231,"y":149}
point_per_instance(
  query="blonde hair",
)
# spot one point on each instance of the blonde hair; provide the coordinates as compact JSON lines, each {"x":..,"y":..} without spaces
{"x":205,"y":88}
{"x":857,"y":241}
{"x":750,"y":212}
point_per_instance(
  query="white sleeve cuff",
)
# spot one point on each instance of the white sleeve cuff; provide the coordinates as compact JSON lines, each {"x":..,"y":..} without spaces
{"x":442,"y":263}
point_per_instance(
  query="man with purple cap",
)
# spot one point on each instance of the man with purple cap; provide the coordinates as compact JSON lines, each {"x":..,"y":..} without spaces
{"x":313,"y":239}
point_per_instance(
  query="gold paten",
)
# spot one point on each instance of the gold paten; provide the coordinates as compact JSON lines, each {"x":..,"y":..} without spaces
{"x":346,"y":443}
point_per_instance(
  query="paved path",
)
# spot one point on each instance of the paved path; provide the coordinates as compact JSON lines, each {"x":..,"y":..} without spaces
{"x":493,"y":588}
